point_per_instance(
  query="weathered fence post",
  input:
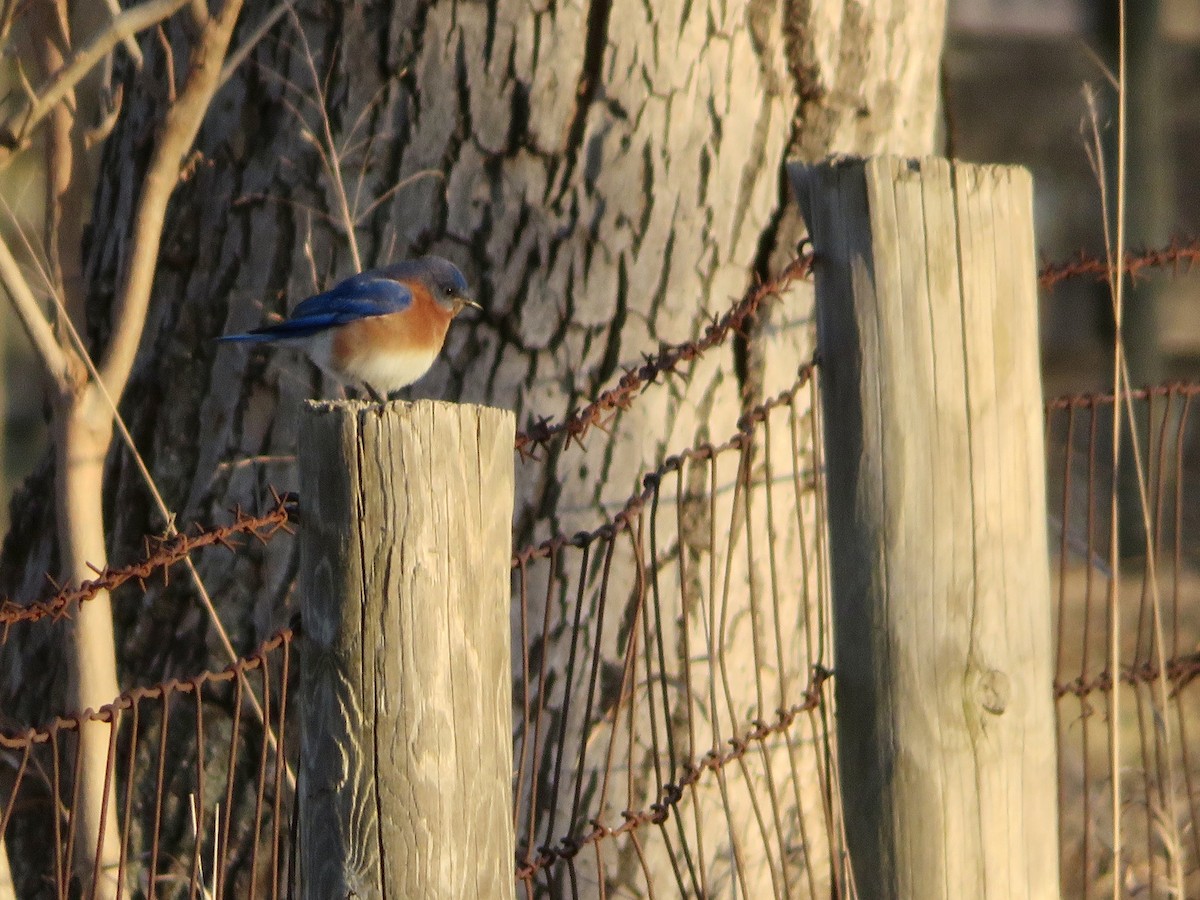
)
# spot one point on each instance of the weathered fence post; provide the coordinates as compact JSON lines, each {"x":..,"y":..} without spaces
{"x":405,"y":786}
{"x":928,"y":339}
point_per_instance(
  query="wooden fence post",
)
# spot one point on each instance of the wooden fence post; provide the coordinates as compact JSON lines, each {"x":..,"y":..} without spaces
{"x":927,"y":332}
{"x":405,"y":786}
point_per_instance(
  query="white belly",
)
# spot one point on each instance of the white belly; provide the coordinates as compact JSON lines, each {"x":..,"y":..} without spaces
{"x":383,"y":371}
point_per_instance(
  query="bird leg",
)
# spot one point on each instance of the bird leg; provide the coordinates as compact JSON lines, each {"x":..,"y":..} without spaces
{"x":375,"y":395}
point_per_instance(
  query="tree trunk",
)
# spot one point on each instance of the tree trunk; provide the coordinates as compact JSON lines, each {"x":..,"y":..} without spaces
{"x":608,"y":174}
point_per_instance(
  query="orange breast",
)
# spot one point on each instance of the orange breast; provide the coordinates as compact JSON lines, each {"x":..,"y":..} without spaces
{"x":419,"y":329}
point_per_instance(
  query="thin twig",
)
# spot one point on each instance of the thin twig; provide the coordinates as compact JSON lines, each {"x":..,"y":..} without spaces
{"x":129,"y":42}
{"x":53,"y":358}
{"x":1114,"y":247}
{"x":14,"y":133}
{"x":238,"y":56}
{"x":398,"y":186}
{"x":332,"y":161}
{"x":178,"y":133}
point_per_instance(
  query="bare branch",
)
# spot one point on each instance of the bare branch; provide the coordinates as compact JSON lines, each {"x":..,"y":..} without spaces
{"x":398,"y":186}
{"x":34,"y":321}
{"x":110,"y":106}
{"x":199,"y":11}
{"x":8,"y":14}
{"x":175,"y":140}
{"x":14,"y":133}
{"x":333,"y":165}
{"x":169,"y":59}
{"x":169,"y":517}
{"x":131,"y":45}
{"x":64,"y":203}
{"x":238,"y":56}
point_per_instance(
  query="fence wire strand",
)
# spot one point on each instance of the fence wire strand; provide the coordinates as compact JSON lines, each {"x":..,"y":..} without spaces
{"x":161,"y":553}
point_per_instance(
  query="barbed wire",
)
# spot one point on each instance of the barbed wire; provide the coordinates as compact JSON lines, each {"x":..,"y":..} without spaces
{"x":168,"y":551}
{"x":636,"y":503}
{"x":672,"y":792}
{"x":163,"y":552}
{"x":24,"y":740}
{"x":668,"y":358}
{"x":1181,"y":253}
{"x":1181,"y":670}
{"x":160,"y":554}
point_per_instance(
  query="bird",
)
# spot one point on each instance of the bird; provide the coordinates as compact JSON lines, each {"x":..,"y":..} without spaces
{"x":379,"y":330}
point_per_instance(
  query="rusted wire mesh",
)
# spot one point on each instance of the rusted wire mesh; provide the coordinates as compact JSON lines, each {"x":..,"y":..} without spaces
{"x":685,"y":750}
{"x":686,"y":746}
{"x":1154,"y":624}
{"x":220,"y":857}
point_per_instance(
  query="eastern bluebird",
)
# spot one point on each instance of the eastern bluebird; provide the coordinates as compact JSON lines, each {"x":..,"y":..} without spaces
{"x":381,"y":329}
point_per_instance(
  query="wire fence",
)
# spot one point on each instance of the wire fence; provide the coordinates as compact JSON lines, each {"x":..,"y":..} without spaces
{"x":686,"y":746}
{"x":225,"y":858}
{"x":1156,"y":627}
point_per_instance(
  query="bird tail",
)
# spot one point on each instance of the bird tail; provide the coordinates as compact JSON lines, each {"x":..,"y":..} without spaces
{"x":288,"y":329}
{"x":249,"y":337}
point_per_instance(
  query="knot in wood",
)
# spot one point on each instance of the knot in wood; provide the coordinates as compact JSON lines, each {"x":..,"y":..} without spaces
{"x":993,"y":689}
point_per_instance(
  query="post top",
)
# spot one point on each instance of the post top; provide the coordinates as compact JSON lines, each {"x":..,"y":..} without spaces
{"x":401,"y":407}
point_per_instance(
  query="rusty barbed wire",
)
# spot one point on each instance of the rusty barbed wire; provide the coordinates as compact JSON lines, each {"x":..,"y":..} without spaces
{"x":1181,"y":671}
{"x":636,"y":503}
{"x":160,"y":554}
{"x":29,"y":737}
{"x":544,"y":787}
{"x":1152,"y":740}
{"x":669,"y":356}
{"x":1180,"y":253}
{"x":672,"y":793}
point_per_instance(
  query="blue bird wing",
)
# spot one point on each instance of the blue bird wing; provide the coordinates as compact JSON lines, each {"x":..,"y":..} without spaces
{"x":358,"y":297}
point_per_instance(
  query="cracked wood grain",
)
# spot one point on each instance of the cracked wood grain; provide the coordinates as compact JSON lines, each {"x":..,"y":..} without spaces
{"x":928,"y":334}
{"x":406,"y":751}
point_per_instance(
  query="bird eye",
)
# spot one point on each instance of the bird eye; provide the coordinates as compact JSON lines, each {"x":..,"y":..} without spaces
{"x":449,"y":291}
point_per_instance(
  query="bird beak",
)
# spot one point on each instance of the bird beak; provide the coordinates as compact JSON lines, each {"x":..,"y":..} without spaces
{"x":467,"y":301}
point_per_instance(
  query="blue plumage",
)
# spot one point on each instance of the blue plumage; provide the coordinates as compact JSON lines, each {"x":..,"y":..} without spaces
{"x":370,"y":293}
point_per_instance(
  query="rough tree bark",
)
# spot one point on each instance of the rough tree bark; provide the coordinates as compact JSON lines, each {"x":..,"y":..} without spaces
{"x":608,"y":173}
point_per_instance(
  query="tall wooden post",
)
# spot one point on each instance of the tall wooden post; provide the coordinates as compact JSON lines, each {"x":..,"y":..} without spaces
{"x":928,"y":339}
{"x":405,"y":786}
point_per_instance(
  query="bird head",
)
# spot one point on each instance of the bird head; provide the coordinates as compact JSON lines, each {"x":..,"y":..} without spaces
{"x":441,"y":278}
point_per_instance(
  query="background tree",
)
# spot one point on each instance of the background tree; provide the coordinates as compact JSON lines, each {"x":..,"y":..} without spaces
{"x":608,"y":174}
